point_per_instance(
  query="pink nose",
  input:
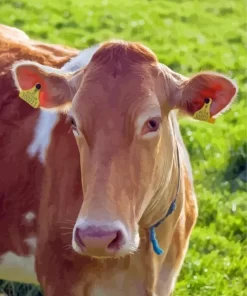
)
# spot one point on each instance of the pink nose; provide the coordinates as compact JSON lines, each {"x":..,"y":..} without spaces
{"x":99,"y":239}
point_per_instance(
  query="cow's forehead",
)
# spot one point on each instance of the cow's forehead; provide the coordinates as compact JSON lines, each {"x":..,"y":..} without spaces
{"x":101,"y":94}
{"x":117,"y":84}
{"x":99,"y":86}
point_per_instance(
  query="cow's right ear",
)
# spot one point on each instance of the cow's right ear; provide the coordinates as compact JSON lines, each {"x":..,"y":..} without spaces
{"x":45,"y":87}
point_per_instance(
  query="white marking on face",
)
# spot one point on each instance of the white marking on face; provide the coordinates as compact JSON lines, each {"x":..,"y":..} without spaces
{"x":29,"y":216}
{"x":19,"y":268}
{"x":43,"y":130}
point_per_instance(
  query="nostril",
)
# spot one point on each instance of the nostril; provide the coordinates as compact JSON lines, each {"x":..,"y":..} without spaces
{"x":117,"y":241}
{"x":78,"y":237}
{"x":98,"y":239}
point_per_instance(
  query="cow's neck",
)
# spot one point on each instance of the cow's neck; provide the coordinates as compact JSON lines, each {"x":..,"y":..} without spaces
{"x":169,"y":189}
{"x":166,"y":177}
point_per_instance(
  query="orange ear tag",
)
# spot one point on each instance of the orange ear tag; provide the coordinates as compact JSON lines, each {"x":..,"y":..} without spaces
{"x":204,"y":113}
{"x":31,"y":96}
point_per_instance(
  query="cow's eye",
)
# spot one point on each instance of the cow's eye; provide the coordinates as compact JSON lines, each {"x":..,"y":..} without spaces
{"x":72,"y":121}
{"x":73,"y":126}
{"x":153,"y":125}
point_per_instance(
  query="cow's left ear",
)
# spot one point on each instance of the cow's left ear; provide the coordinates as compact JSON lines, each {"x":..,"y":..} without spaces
{"x":43,"y":86}
{"x":216,"y":90}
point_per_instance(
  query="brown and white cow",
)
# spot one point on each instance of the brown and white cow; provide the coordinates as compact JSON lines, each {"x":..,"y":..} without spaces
{"x":21,"y":154}
{"x":105,"y":185}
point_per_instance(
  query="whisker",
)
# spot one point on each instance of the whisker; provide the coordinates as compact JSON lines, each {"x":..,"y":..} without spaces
{"x":66,"y":233}
{"x":67,"y":220}
{"x":68,"y":248}
{"x":66,"y":223}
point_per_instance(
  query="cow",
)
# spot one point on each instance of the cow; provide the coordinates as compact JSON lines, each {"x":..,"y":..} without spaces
{"x":21,"y":165}
{"x":99,"y":185}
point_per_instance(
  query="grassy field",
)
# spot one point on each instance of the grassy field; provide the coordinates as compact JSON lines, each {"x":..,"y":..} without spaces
{"x":188,"y":36}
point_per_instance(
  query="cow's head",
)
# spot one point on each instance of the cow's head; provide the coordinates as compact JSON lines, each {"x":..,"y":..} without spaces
{"x":119,"y":106}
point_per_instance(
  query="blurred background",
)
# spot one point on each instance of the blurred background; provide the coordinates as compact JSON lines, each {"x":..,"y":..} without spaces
{"x":188,"y":36}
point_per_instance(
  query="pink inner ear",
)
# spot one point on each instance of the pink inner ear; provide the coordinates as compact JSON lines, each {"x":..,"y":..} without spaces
{"x":42,"y":97}
{"x":27,"y":78}
{"x":215,"y":86}
{"x":221,"y":95}
{"x":222,"y":98}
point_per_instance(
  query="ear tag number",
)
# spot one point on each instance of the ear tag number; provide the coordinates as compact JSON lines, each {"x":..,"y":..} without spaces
{"x":204,"y":113}
{"x":31,"y":96}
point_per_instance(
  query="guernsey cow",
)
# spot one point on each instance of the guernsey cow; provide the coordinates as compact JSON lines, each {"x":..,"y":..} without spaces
{"x":114,"y":210}
{"x":21,"y":154}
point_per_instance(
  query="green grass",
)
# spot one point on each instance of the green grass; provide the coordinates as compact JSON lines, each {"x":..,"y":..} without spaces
{"x":188,"y":36}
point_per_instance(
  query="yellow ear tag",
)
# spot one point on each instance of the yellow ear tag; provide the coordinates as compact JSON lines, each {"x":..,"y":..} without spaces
{"x":204,"y":113}
{"x":31,"y":96}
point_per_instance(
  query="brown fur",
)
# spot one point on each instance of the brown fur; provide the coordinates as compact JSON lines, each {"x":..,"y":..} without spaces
{"x":117,"y":50}
{"x":20,"y":176}
{"x":109,"y":177}
{"x":108,"y":174}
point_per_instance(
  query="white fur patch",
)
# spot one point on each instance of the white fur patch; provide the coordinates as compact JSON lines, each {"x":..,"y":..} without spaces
{"x":18,"y":268}
{"x":167,"y":278}
{"x":118,"y":283}
{"x":43,"y":129}
{"x":81,"y":60}
{"x":29,"y":216}
{"x":32,"y":243}
{"x":47,"y":119}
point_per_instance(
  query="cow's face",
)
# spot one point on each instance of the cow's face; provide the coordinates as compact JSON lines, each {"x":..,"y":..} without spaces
{"x":119,"y":107}
{"x":122,"y":149}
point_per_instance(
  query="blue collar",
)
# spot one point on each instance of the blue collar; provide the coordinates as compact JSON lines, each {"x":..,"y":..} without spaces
{"x":172,"y":208}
